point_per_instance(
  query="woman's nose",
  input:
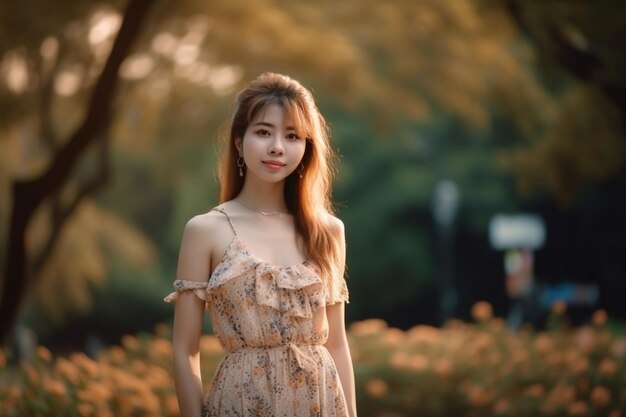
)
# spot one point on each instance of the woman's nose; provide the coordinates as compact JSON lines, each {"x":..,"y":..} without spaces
{"x":276,"y":147}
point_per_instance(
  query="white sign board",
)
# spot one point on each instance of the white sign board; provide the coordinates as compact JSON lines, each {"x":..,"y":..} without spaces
{"x":520,"y":231}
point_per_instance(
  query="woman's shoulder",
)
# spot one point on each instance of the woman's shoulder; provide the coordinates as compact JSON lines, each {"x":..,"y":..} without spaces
{"x":205,"y":221}
{"x":334,"y":225}
{"x":208,"y":224}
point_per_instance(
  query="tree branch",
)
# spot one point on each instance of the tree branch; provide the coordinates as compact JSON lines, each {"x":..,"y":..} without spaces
{"x":46,"y":91}
{"x":62,"y":213}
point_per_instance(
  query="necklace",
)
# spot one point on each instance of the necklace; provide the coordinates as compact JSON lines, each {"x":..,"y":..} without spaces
{"x":262,"y":213}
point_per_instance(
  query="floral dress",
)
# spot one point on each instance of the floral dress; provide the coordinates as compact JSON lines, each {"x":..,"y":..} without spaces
{"x":272,"y":323}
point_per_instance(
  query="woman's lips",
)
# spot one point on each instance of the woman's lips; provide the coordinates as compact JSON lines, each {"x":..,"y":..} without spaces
{"x":274,"y":164}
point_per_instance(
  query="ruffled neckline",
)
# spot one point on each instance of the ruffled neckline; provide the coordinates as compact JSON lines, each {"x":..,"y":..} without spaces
{"x":244,"y":248}
{"x":295,"y":289}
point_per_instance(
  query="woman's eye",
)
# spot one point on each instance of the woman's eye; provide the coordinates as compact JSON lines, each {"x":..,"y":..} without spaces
{"x":293,"y":136}
{"x":262,"y":132}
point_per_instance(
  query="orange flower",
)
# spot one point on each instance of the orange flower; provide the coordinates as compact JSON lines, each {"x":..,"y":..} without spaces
{"x":67,"y":370}
{"x":424,"y":333}
{"x":559,"y":307}
{"x":44,"y":354}
{"x":160,"y":348}
{"x":158,"y":378}
{"x":543,"y":343}
{"x":586,"y":339}
{"x":562,"y":395}
{"x":579,"y":408}
{"x":479,"y":396}
{"x":95,"y":393}
{"x":85,"y":410}
{"x":455,"y":324}
{"x":130,"y":342}
{"x":599,"y":318}
{"x":171,"y":405}
{"x":138,"y":367}
{"x":555,"y":359}
{"x":618,"y":348}
{"x":85,"y":363}
{"x":399,"y":360}
{"x":210,"y":344}
{"x":583,"y":386}
{"x":376,"y":388}
{"x":418,"y":363}
{"x":501,"y":406}
{"x":13,"y":393}
{"x":125,"y":405}
{"x":580,"y":365}
{"x":482,"y":311}
{"x":497,"y":324}
{"x":54,"y":388}
{"x":600,"y":396}
{"x":162,"y":330}
{"x":32,"y":376}
{"x":519,"y":357}
{"x":442,"y":368}
{"x":393,"y":336}
{"x":535,"y":390}
{"x":149,"y":402}
{"x":117,"y":355}
{"x":367,"y":327}
{"x":607,"y":367}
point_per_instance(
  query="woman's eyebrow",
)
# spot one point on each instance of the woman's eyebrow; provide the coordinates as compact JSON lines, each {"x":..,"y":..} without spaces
{"x":263,"y":124}
{"x":271,"y":125}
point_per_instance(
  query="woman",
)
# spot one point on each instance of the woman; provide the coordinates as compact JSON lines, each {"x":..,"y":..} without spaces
{"x":268,"y":264}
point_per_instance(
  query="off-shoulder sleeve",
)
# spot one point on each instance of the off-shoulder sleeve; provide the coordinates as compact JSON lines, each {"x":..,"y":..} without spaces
{"x":181,"y":286}
{"x":336,"y":290}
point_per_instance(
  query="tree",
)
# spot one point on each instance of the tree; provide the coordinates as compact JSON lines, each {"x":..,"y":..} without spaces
{"x":28,"y":195}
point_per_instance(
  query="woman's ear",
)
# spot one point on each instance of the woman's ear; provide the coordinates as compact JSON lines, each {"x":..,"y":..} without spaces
{"x":238,"y":145}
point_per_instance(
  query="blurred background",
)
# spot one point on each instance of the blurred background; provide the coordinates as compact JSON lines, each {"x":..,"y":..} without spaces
{"x":486,"y":107}
{"x":482,"y":153}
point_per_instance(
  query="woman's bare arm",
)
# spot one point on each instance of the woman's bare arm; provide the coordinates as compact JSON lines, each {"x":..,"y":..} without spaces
{"x":194,"y":263}
{"x":337,"y":343}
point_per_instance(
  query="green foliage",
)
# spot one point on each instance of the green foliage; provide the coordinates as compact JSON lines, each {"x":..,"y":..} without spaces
{"x":129,"y":301}
{"x":384,"y":194}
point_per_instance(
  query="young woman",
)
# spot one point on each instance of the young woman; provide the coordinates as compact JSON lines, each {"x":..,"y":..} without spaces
{"x":268,"y":264}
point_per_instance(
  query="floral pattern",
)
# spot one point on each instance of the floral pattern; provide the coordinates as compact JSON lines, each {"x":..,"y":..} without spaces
{"x":272,"y":322}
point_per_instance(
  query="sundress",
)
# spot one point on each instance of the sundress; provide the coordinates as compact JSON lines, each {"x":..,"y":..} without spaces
{"x":272,"y":323}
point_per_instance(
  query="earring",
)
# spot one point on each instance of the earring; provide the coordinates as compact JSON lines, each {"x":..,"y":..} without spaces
{"x":240,"y":164}
{"x":300,"y":169}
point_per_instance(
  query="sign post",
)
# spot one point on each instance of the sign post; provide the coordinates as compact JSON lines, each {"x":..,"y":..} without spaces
{"x":445,"y":207}
{"x":518,"y":236}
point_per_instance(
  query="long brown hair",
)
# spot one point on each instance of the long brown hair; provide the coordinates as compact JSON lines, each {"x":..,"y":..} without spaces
{"x":308,"y":197}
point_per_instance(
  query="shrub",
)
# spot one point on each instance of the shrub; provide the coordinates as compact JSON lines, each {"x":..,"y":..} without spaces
{"x":461,"y":369}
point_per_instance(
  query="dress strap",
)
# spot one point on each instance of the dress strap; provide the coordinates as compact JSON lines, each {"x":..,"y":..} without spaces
{"x":232,"y":226}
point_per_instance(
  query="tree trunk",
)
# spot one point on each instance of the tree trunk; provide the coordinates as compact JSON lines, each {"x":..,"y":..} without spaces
{"x":28,"y":195}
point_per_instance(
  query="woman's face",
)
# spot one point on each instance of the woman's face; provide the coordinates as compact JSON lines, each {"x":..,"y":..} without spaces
{"x":271,"y":148}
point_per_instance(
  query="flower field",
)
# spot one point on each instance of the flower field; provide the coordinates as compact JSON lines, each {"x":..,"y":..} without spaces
{"x":461,"y":369}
